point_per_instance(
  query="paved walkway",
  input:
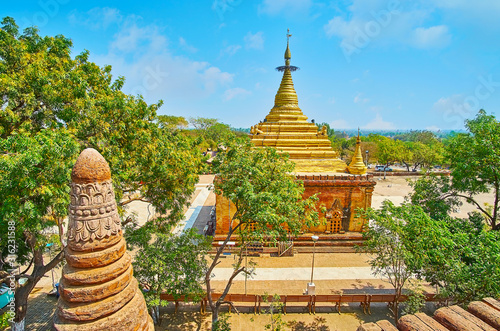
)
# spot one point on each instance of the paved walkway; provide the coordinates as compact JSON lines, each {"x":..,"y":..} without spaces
{"x":194,"y":210}
{"x":321,"y":273}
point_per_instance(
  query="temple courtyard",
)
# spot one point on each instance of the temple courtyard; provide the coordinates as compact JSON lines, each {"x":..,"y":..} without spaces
{"x":333,"y":273}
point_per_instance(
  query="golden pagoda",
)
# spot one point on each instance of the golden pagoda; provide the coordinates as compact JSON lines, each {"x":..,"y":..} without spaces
{"x":341,"y":190}
{"x":286,"y":128}
{"x":357,"y":166}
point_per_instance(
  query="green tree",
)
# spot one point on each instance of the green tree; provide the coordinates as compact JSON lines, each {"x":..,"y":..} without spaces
{"x":174,"y":265}
{"x":34,"y":175}
{"x":404,"y":154}
{"x":172,"y":122}
{"x":51,"y":107}
{"x":416,"y":298}
{"x":387,"y":151}
{"x":474,"y":158}
{"x":202,"y":124}
{"x":274,"y":311}
{"x":384,"y":236}
{"x":458,"y":256}
{"x":435,"y":194}
{"x":267,"y":199}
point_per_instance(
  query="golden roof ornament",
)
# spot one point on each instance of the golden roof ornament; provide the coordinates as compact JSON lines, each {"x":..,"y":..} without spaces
{"x":286,"y":128}
{"x":357,"y":166}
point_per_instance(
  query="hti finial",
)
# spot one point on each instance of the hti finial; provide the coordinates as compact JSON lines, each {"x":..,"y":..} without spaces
{"x":288,"y":55}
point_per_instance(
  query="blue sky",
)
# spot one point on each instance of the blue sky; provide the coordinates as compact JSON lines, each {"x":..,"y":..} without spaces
{"x":423,"y":64}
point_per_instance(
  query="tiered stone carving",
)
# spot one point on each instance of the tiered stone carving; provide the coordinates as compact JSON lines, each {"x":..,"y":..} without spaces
{"x":97,"y":287}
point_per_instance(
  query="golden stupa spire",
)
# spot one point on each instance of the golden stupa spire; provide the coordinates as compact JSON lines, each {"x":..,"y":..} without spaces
{"x":357,"y":166}
{"x":288,"y":54}
{"x":286,"y":103}
{"x":286,"y":128}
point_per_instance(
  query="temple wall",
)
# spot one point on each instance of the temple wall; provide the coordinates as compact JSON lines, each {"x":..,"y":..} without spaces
{"x":225,"y":211}
{"x":340,"y":194}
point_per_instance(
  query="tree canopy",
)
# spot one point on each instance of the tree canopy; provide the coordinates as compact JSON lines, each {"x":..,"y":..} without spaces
{"x":173,"y":265}
{"x":52,"y":106}
{"x":474,"y":159}
{"x":458,"y":256}
{"x":267,"y":198}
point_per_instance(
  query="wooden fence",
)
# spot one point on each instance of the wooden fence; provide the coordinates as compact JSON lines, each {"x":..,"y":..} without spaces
{"x":310,"y":301}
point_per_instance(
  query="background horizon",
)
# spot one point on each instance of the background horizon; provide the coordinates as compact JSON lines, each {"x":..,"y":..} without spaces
{"x":377,"y":65}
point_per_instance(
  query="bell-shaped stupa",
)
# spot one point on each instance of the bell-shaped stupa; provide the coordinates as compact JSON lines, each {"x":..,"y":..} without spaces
{"x":286,"y":128}
{"x":357,"y":166}
{"x":97,"y":289}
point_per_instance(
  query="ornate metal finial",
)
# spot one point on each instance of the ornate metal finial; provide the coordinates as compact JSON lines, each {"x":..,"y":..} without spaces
{"x":288,"y":55}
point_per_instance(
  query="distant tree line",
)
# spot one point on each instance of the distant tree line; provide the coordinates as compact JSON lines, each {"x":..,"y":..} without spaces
{"x":413,"y":149}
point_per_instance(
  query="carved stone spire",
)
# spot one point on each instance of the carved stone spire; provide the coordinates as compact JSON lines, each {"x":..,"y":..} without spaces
{"x":97,"y":287}
{"x":357,"y":166}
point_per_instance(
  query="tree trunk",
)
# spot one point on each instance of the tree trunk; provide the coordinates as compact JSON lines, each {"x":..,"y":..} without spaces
{"x":21,"y":300}
{"x":18,"y":326}
{"x":155,"y":314}
{"x":23,"y":291}
{"x":215,"y":316}
{"x":396,"y":310}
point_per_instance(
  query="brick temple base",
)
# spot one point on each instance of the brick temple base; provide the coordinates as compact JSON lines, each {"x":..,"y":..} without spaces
{"x":339,"y":194}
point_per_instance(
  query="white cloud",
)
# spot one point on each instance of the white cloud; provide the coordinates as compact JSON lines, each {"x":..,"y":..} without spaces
{"x":254,"y":41}
{"x":433,"y":37}
{"x":339,"y":124}
{"x":231,"y":50}
{"x":133,"y":37}
{"x":185,"y":46}
{"x":232,"y":93}
{"x":433,"y":128}
{"x":141,"y":54}
{"x":213,"y":76}
{"x":447,"y":104}
{"x":274,"y":7}
{"x":379,"y":124}
{"x":381,"y":22}
{"x":96,"y":18}
{"x":359,"y":98}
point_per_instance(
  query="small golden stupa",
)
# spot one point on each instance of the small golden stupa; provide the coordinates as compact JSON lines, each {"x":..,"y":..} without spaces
{"x":357,"y":166}
{"x":286,"y":128}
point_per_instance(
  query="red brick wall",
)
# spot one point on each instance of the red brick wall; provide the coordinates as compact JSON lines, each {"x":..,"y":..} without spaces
{"x":352,"y":191}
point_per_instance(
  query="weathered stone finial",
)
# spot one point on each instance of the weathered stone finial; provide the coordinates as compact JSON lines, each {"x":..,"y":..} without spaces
{"x":97,"y":287}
